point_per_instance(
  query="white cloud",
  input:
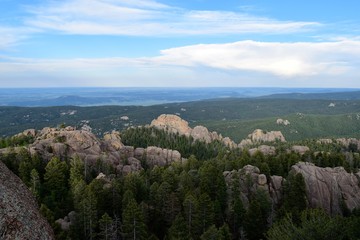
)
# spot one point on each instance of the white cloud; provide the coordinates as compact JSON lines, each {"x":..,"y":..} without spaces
{"x":256,"y":63}
{"x":281,"y":59}
{"x":150,"y":18}
{"x":11,"y":36}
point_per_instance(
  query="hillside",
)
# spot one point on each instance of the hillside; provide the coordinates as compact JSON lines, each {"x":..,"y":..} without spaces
{"x":239,"y":115}
{"x":172,"y":181}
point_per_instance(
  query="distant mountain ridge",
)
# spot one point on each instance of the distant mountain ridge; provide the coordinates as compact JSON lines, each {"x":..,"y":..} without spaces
{"x":151,"y":96}
{"x":351,"y":95}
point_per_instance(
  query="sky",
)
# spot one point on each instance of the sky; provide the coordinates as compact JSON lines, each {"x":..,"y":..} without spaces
{"x":180,"y":43}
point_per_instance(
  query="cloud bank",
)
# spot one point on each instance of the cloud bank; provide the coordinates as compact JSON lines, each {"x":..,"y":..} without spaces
{"x":307,"y":60}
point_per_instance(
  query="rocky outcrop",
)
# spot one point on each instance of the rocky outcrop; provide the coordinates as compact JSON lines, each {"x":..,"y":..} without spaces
{"x":174,"y":124}
{"x":19,"y":214}
{"x":264,"y":149}
{"x":69,"y":142}
{"x":161,"y":157}
{"x":251,"y":180}
{"x":281,"y":121}
{"x":113,"y":141}
{"x":347,"y":141}
{"x":67,"y":221}
{"x":261,"y":136}
{"x":330,"y":188}
{"x":300,"y":149}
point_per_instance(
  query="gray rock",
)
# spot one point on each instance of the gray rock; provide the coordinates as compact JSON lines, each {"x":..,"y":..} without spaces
{"x":329,"y":188}
{"x":300,"y":149}
{"x":19,"y":214}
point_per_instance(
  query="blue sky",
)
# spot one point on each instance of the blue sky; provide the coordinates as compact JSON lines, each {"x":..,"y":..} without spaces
{"x":207,"y":43}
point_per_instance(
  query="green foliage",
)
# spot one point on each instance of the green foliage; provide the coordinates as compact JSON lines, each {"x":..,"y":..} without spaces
{"x":294,"y":197}
{"x":145,"y":136}
{"x":133,"y":222}
{"x":56,"y":186}
{"x":255,"y":220}
{"x":315,"y":224}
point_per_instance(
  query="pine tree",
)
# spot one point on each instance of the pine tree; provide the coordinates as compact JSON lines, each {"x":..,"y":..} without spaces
{"x":191,"y":211}
{"x":35,"y":183}
{"x":179,"y":229}
{"x":255,"y":221}
{"x":133,"y":222}
{"x":56,"y":182}
{"x":106,"y":227}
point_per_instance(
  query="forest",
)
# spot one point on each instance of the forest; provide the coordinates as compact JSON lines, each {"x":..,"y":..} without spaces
{"x":190,"y":200}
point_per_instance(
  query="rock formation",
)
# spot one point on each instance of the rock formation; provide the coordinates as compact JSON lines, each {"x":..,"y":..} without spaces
{"x":264,"y":149}
{"x":69,"y":142}
{"x":19,"y":214}
{"x":330,"y":188}
{"x":250,"y":180}
{"x":262,"y":136}
{"x":281,"y":121}
{"x":174,"y":124}
{"x":300,"y":149}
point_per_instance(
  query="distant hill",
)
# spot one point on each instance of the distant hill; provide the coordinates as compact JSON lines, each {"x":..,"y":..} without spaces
{"x":350,"y":95}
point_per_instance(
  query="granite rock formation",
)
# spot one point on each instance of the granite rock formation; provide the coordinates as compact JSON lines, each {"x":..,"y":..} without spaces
{"x":174,"y":124}
{"x":330,"y":188}
{"x":19,"y":213}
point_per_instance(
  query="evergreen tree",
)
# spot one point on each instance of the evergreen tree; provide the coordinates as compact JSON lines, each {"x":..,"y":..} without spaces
{"x":191,"y":211}
{"x":212,"y":233}
{"x":35,"y":183}
{"x":56,"y":182}
{"x":88,"y":213}
{"x":133,"y":222}
{"x":106,"y":227}
{"x":294,"y":196}
{"x":255,"y":220}
{"x":179,"y":229}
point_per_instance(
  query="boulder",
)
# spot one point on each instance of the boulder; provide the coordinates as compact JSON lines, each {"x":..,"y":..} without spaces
{"x":300,"y":149}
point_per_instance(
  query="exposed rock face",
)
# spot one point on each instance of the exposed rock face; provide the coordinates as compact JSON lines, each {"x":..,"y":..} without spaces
{"x":174,"y":124}
{"x":300,"y":149}
{"x":69,"y":142}
{"x":347,"y":141}
{"x":160,"y":157}
{"x":250,"y":180}
{"x":113,"y":140}
{"x":329,"y":188}
{"x":261,"y":136}
{"x":282,"y":122}
{"x":19,"y":215}
{"x":67,"y":221}
{"x":264,"y":149}
{"x":324,"y":141}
